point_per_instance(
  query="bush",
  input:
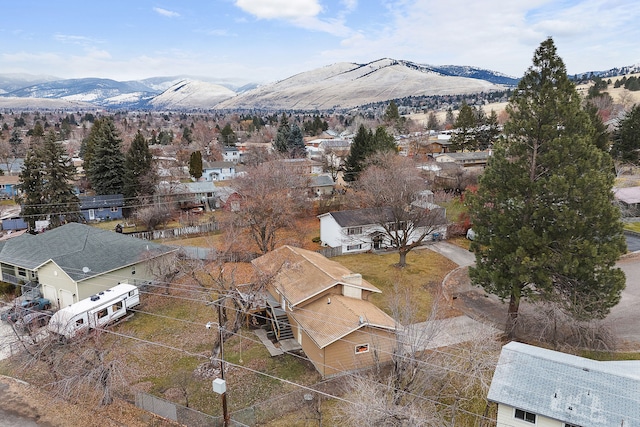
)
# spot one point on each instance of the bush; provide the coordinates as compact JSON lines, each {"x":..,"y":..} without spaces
{"x":7,"y":288}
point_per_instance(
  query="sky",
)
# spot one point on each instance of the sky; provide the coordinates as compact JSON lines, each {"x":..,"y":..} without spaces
{"x":264,"y":41}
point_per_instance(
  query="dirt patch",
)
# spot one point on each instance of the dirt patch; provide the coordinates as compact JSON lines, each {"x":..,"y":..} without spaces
{"x":31,"y":402}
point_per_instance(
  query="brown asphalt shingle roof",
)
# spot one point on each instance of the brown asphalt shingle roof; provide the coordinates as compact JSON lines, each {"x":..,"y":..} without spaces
{"x":326,"y":323}
{"x":300,"y":274}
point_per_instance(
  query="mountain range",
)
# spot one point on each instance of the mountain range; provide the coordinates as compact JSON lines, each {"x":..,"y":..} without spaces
{"x":338,"y":86}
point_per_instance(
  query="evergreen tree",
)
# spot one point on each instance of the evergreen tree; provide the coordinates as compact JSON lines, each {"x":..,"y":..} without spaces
{"x":138,"y":164}
{"x":31,"y":183}
{"x":391,"y":114}
{"x":432,"y":122}
{"x":626,"y":138}
{"x":383,"y":141}
{"x":88,"y":144}
{"x":546,"y":226}
{"x":360,"y":149}
{"x":46,"y":182}
{"x":228,"y":136}
{"x":488,"y":133}
{"x":57,"y":193}
{"x":295,"y":143}
{"x":465,"y":124}
{"x":364,"y":145}
{"x":281,"y":142}
{"x":106,"y":169}
{"x":195,"y":164}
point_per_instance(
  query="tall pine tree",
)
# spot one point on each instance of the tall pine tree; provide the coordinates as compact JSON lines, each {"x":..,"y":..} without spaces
{"x":544,"y":216}
{"x":46,"y":182}
{"x":138,"y":176}
{"x":106,"y":168}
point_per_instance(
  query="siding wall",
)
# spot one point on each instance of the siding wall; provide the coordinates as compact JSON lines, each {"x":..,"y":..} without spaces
{"x":506,"y":418}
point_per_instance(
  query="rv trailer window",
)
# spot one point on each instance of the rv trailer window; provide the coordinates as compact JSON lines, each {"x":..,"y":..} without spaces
{"x":79,"y":322}
{"x":117,"y":306}
{"x":102,"y":313}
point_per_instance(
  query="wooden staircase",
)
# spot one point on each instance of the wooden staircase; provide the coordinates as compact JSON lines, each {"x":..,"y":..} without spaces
{"x":280,"y":326}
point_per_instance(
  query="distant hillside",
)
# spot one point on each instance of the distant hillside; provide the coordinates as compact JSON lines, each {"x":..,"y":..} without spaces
{"x":347,"y":85}
{"x":191,"y":95}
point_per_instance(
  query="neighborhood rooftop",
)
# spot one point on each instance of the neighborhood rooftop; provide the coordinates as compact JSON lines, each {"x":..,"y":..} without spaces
{"x":75,"y":247}
{"x":567,"y":388}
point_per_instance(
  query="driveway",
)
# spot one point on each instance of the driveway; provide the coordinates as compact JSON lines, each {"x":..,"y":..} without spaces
{"x":455,"y":253}
{"x":624,"y":318}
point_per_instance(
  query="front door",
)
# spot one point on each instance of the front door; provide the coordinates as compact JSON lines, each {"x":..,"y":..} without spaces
{"x":92,"y":214}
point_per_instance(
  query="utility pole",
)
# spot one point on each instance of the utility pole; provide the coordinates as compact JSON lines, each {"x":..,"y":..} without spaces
{"x":220,"y":385}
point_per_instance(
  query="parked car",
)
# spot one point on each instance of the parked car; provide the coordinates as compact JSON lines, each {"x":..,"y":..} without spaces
{"x":16,"y":312}
{"x":36,"y":304}
{"x":33,"y":320}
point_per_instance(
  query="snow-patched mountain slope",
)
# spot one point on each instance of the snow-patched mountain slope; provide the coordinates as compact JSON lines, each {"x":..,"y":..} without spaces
{"x":347,"y":85}
{"x":191,"y":94}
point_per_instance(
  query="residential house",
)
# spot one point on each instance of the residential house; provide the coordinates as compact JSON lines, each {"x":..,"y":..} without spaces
{"x":360,"y":230}
{"x":218,"y":171}
{"x":629,"y":197}
{"x":9,"y":186}
{"x":329,"y":311}
{"x":101,"y":208}
{"x":231,"y":154}
{"x":228,"y":199}
{"x":301,"y":166}
{"x":75,"y":261}
{"x":465,"y":159}
{"x":187,"y":195}
{"x":536,"y":386}
{"x":321,"y":185}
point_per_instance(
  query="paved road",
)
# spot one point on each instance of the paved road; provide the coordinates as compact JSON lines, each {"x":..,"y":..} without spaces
{"x":633,"y":243}
{"x":624,"y":318}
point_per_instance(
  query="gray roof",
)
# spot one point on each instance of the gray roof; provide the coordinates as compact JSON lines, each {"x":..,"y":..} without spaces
{"x":74,"y":246}
{"x":105,"y":201}
{"x":567,"y":388}
{"x":371,"y":216}
{"x":321,"y":181}
{"x":629,"y":195}
{"x":357,"y":217}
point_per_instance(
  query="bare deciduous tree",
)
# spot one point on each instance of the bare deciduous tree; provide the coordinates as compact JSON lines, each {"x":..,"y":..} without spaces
{"x":272,"y":195}
{"x":398,"y":201}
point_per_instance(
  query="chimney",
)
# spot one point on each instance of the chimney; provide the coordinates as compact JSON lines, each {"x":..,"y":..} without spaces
{"x":353,"y":279}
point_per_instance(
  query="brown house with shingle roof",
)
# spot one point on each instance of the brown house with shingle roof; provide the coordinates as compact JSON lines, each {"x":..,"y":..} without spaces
{"x":329,"y":310}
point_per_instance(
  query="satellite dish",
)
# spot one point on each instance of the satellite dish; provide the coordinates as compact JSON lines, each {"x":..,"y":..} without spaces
{"x":85,"y":270}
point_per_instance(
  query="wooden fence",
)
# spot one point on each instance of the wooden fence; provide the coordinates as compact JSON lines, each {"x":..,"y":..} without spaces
{"x":173,"y":233}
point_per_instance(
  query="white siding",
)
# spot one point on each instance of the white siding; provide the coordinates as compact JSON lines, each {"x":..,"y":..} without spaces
{"x":506,"y":418}
{"x":330,"y":231}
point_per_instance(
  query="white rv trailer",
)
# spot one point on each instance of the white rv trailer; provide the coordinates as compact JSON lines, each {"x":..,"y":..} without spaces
{"x":96,"y":311}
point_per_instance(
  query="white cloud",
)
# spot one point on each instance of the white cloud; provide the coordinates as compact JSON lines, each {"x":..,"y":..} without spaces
{"x":165,"y":12}
{"x":280,"y":9}
{"x":79,"y":40}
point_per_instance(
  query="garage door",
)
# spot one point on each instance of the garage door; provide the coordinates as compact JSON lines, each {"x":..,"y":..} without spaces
{"x":49,"y":292}
{"x":66,"y":298}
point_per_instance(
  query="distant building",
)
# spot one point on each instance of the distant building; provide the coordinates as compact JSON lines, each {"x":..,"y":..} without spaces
{"x":536,"y":386}
{"x":101,"y":208}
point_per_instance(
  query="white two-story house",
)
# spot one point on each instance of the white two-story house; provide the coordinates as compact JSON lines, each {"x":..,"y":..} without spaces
{"x":361,"y":230}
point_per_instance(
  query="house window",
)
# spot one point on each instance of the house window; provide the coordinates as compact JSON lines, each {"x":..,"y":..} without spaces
{"x":352,"y":231}
{"x":354,"y":247}
{"x":114,"y":209}
{"x":526,"y":416}
{"x":362,"y":348}
{"x":22,"y":272}
{"x":571,"y":425}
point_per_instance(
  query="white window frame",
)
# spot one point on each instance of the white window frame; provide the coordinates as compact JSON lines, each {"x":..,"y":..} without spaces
{"x":524,"y":415}
{"x":354,"y":247}
{"x":354,"y":231}
{"x":362,"y":348}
